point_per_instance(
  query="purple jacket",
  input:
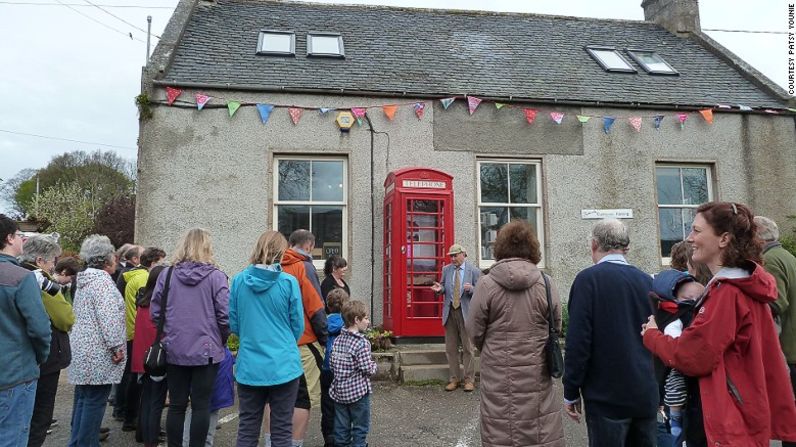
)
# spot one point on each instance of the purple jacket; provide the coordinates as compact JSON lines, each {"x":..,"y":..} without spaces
{"x":197,"y":313}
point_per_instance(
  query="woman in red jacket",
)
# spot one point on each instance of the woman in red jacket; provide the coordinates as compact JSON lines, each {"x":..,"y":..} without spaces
{"x":732,"y":345}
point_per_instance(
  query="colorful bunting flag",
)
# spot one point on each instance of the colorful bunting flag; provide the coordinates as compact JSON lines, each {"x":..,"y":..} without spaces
{"x":201,"y":100}
{"x":499,"y":105}
{"x":530,"y":115}
{"x":472,"y":103}
{"x":265,"y":111}
{"x":773,"y":112}
{"x":657,"y":121}
{"x":583,"y":119}
{"x":744,"y":108}
{"x":420,"y":109}
{"x":295,"y":114}
{"x":557,"y":117}
{"x":446,"y":102}
{"x":233,"y":107}
{"x":682,"y":117}
{"x":608,"y":121}
{"x":325,"y":110}
{"x":635,"y":121}
{"x":359,"y":113}
{"x":172,"y":94}
{"x":707,"y":114}
{"x":389,"y":111}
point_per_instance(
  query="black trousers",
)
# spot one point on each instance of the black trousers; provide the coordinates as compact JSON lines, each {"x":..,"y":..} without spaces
{"x":327,"y":409}
{"x":252,"y":400}
{"x":153,"y":397}
{"x":626,"y":432}
{"x":120,"y":405}
{"x":195,"y":382}
{"x":46,"y":390}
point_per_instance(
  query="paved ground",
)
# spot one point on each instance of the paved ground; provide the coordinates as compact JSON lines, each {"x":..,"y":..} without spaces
{"x":402,"y":416}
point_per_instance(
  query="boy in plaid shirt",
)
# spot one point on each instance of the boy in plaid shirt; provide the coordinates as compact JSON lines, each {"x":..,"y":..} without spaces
{"x":352,"y":366}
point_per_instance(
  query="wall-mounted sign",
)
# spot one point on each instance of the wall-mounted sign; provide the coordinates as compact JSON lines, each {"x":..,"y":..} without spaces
{"x":623,"y":213}
{"x":423,"y":184}
{"x":345,"y":120}
{"x":332,"y":248}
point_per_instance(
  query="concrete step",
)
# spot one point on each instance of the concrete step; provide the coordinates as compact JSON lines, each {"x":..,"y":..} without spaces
{"x":424,"y":373}
{"x":423,"y":357}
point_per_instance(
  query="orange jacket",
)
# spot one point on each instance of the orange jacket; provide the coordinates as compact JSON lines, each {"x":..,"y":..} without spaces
{"x":293,"y":263}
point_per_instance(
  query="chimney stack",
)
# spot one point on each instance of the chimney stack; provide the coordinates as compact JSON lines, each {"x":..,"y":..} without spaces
{"x":680,"y":17}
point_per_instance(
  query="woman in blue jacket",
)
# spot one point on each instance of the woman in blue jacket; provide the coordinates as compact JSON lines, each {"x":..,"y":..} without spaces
{"x":266,"y":313}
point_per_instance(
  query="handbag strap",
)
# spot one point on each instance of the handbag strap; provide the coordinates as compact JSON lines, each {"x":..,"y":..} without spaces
{"x":164,"y":301}
{"x":550,"y":320}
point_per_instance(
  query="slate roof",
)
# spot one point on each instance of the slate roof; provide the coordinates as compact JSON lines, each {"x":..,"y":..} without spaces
{"x":439,"y":52}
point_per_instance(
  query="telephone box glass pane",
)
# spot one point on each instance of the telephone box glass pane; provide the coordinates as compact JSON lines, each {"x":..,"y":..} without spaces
{"x":492,"y":218}
{"x":294,"y":180}
{"x":327,"y":226}
{"x":523,"y":183}
{"x":327,"y":181}
{"x":291,"y":218}
{"x":494,"y":183}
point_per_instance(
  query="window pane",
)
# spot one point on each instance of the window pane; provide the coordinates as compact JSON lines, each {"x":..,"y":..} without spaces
{"x":291,"y":218}
{"x":695,"y":186}
{"x":494,"y":183}
{"x":325,"y":44}
{"x":688,"y":220}
{"x":671,"y":222}
{"x":327,"y":226}
{"x":277,"y":42}
{"x":653,"y":61}
{"x":294,"y":180}
{"x":491,"y":218}
{"x":327,"y":181}
{"x":526,"y":214}
{"x":523,"y":183}
{"x":612,"y":60}
{"x":668,"y":182}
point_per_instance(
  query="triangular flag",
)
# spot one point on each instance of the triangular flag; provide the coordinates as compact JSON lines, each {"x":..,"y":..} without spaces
{"x":420,"y":109}
{"x":172,"y":94}
{"x":233,"y":107}
{"x":295,"y":114}
{"x":657,"y":121}
{"x":359,"y":113}
{"x":682,"y":117}
{"x":771,"y":111}
{"x":635,"y":121}
{"x":325,"y":110}
{"x":472,"y":103}
{"x":201,"y":100}
{"x":530,"y":115}
{"x":557,"y":117}
{"x":499,"y":105}
{"x":744,"y":108}
{"x":265,"y":111}
{"x":608,"y":121}
{"x":389,"y":111}
{"x":446,"y":102}
{"x":583,"y":119}
{"x":707,"y":114}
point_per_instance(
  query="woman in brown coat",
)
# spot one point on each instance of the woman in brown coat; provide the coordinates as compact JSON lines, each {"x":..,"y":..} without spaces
{"x":508,"y":322}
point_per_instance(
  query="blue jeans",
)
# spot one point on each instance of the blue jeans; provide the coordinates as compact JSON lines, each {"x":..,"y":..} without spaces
{"x":352,"y":423}
{"x":16,"y":409}
{"x":87,"y":412}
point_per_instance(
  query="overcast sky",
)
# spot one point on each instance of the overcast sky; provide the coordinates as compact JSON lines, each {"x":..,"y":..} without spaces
{"x":65,"y":75}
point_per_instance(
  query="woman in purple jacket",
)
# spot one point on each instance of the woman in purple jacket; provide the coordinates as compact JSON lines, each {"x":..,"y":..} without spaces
{"x":194,"y":334}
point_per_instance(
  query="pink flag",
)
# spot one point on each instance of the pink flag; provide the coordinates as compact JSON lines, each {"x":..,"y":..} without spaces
{"x":201,"y":100}
{"x":530,"y":115}
{"x":635,"y":121}
{"x":472,"y":103}
{"x":359,"y":112}
{"x":420,"y":109}
{"x":172,"y":94}
{"x":295,"y":114}
{"x":682,"y":117}
{"x":557,"y":117}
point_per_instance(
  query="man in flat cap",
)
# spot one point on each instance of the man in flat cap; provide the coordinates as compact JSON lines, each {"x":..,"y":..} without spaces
{"x":457,"y":284}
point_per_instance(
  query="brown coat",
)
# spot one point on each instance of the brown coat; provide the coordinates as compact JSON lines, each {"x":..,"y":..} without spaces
{"x":508,"y":322}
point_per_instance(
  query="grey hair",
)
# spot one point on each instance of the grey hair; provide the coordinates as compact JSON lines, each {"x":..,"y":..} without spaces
{"x":122,"y":250}
{"x":40,"y":246}
{"x":97,"y":251}
{"x":610,"y":234}
{"x":767,"y":229}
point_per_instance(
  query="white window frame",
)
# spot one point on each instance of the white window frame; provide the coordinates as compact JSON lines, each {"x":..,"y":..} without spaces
{"x":636,"y":56}
{"x":594,"y":53}
{"x":539,"y":205}
{"x":666,"y":260}
{"x":319,"y":263}
{"x":312,"y":53}
{"x":261,"y":42}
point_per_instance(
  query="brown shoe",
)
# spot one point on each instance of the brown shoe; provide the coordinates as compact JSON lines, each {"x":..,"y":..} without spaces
{"x":452,"y":385}
{"x":469,"y":386}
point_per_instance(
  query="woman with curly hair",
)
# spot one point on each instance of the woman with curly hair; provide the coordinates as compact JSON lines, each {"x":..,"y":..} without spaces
{"x":732,"y":345}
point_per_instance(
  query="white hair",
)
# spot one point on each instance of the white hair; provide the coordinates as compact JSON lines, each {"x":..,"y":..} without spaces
{"x":40,"y":246}
{"x":767,"y":229}
{"x":97,"y":251}
{"x":610,"y":234}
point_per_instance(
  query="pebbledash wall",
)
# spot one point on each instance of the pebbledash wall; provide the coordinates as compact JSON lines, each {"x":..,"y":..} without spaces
{"x":203,"y":168}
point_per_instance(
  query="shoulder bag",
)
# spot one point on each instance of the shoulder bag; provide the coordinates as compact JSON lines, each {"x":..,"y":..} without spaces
{"x":155,"y":357}
{"x":555,"y":360}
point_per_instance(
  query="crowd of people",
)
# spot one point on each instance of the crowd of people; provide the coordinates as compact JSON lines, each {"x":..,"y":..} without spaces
{"x":714,"y":362}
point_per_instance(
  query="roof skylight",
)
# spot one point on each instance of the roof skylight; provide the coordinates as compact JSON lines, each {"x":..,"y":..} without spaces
{"x":610,"y":59}
{"x":325,"y":45}
{"x":276,"y":43}
{"x":652,"y":62}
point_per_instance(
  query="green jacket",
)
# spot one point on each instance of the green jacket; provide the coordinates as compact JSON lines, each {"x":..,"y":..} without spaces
{"x":134,"y":279}
{"x":782,"y":266}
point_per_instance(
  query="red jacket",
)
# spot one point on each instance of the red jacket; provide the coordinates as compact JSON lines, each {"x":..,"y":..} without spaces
{"x":145,"y":333}
{"x":732,"y":346}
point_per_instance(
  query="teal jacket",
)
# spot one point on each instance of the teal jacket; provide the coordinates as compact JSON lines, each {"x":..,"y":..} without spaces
{"x":24,"y":325}
{"x":266,"y":313}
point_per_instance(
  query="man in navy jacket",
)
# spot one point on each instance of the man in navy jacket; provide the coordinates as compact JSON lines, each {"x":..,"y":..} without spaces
{"x":606,"y":363}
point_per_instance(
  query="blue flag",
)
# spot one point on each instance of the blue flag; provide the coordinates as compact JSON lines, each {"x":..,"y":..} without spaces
{"x":657,"y":121}
{"x":608,"y":121}
{"x":265,"y":111}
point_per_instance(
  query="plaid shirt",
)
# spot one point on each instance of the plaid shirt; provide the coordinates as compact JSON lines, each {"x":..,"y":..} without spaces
{"x":352,"y":366}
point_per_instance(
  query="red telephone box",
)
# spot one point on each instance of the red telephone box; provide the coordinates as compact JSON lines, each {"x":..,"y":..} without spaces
{"x":418,"y":229}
